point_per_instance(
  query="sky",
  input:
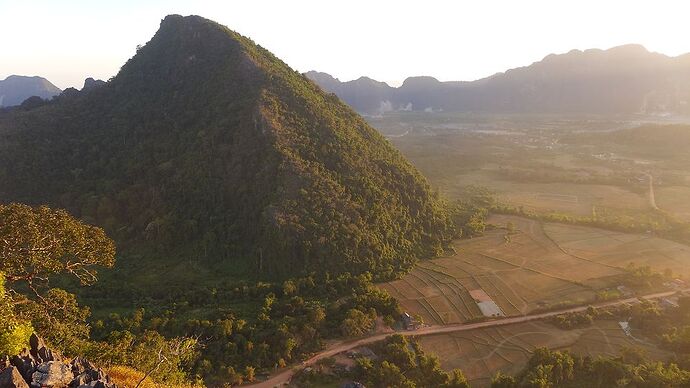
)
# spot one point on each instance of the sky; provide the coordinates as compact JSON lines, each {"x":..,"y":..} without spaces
{"x":69,"y":40}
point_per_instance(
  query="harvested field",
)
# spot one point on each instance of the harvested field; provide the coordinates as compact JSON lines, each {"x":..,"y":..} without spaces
{"x":570,"y":198}
{"x":541,"y":265}
{"x":482,"y":353}
{"x":674,"y":199}
{"x":620,"y":249}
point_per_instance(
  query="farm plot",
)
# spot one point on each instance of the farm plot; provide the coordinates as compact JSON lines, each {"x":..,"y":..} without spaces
{"x":569,"y":198}
{"x":539,"y":266}
{"x":620,"y":249}
{"x":482,"y":353}
{"x":674,"y":199}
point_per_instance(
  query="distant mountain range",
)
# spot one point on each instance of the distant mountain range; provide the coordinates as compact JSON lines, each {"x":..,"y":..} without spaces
{"x":16,"y":88}
{"x":624,"y":79}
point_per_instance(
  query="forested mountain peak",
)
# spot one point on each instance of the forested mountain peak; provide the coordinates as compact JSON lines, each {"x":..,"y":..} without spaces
{"x":206,"y":146}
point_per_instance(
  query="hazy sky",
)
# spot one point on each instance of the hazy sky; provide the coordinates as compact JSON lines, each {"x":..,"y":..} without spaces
{"x":67,"y":41}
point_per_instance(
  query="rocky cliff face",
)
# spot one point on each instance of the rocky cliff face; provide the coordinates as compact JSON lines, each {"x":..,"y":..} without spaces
{"x":91,"y":83}
{"x":39,"y":367}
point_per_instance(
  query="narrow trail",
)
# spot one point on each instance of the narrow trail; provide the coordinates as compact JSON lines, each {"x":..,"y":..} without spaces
{"x":652,"y":198}
{"x":283,"y":377}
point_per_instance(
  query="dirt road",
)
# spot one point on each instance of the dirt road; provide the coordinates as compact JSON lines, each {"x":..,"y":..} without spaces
{"x":652,"y":198}
{"x":284,"y":377}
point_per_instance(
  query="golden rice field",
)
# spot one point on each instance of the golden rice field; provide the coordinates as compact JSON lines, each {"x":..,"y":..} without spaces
{"x":482,"y":353}
{"x":570,"y":198}
{"x":540,"y":265}
{"x":675,"y":200}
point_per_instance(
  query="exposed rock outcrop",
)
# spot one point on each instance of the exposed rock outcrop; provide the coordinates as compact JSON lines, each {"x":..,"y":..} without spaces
{"x":39,"y":367}
{"x":11,"y":378}
{"x":52,"y":374}
{"x":91,"y":83}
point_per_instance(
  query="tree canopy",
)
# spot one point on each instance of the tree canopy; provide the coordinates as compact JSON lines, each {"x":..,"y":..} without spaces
{"x":36,"y":243}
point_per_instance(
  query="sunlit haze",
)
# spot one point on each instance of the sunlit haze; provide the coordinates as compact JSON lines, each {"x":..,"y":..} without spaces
{"x":67,"y":41}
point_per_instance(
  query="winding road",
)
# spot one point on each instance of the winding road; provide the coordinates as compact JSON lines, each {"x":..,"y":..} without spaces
{"x":283,"y":377}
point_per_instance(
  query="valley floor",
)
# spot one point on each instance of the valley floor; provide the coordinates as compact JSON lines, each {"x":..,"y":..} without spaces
{"x":531,"y":266}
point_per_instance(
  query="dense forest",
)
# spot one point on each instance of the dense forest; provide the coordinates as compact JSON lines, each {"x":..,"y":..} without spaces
{"x":207,"y":147}
{"x":199,"y":337}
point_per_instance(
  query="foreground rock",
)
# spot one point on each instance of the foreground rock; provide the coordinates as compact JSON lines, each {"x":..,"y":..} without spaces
{"x":39,"y":367}
{"x":11,"y":378}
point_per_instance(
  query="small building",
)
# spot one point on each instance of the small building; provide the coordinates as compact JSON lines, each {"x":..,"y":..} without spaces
{"x":625,"y":326}
{"x":406,"y":319}
{"x":408,"y":323}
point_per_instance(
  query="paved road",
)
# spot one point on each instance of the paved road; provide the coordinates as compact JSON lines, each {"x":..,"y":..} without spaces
{"x":338,"y":347}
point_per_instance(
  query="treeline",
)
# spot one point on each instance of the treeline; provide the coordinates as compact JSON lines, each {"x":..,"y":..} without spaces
{"x":470,"y":210}
{"x":545,"y":173}
{"x":657,"y":223}
{"x":396,"y":362}
{"x":548,"y":368}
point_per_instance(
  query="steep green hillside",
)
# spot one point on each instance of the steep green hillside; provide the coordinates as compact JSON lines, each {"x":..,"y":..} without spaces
{"x":207,"y":147}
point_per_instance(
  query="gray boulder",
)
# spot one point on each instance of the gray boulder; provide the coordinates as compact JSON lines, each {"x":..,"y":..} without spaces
{"x":41,"y":367}
{"x":52,"y":374}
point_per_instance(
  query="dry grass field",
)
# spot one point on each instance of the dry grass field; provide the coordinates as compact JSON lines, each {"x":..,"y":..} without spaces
{"x":674,"y":199}
{"x":542,"y":163}
{"x":571,"y":198}
{"x":540,"y":265}
{"x":482,"y":353}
